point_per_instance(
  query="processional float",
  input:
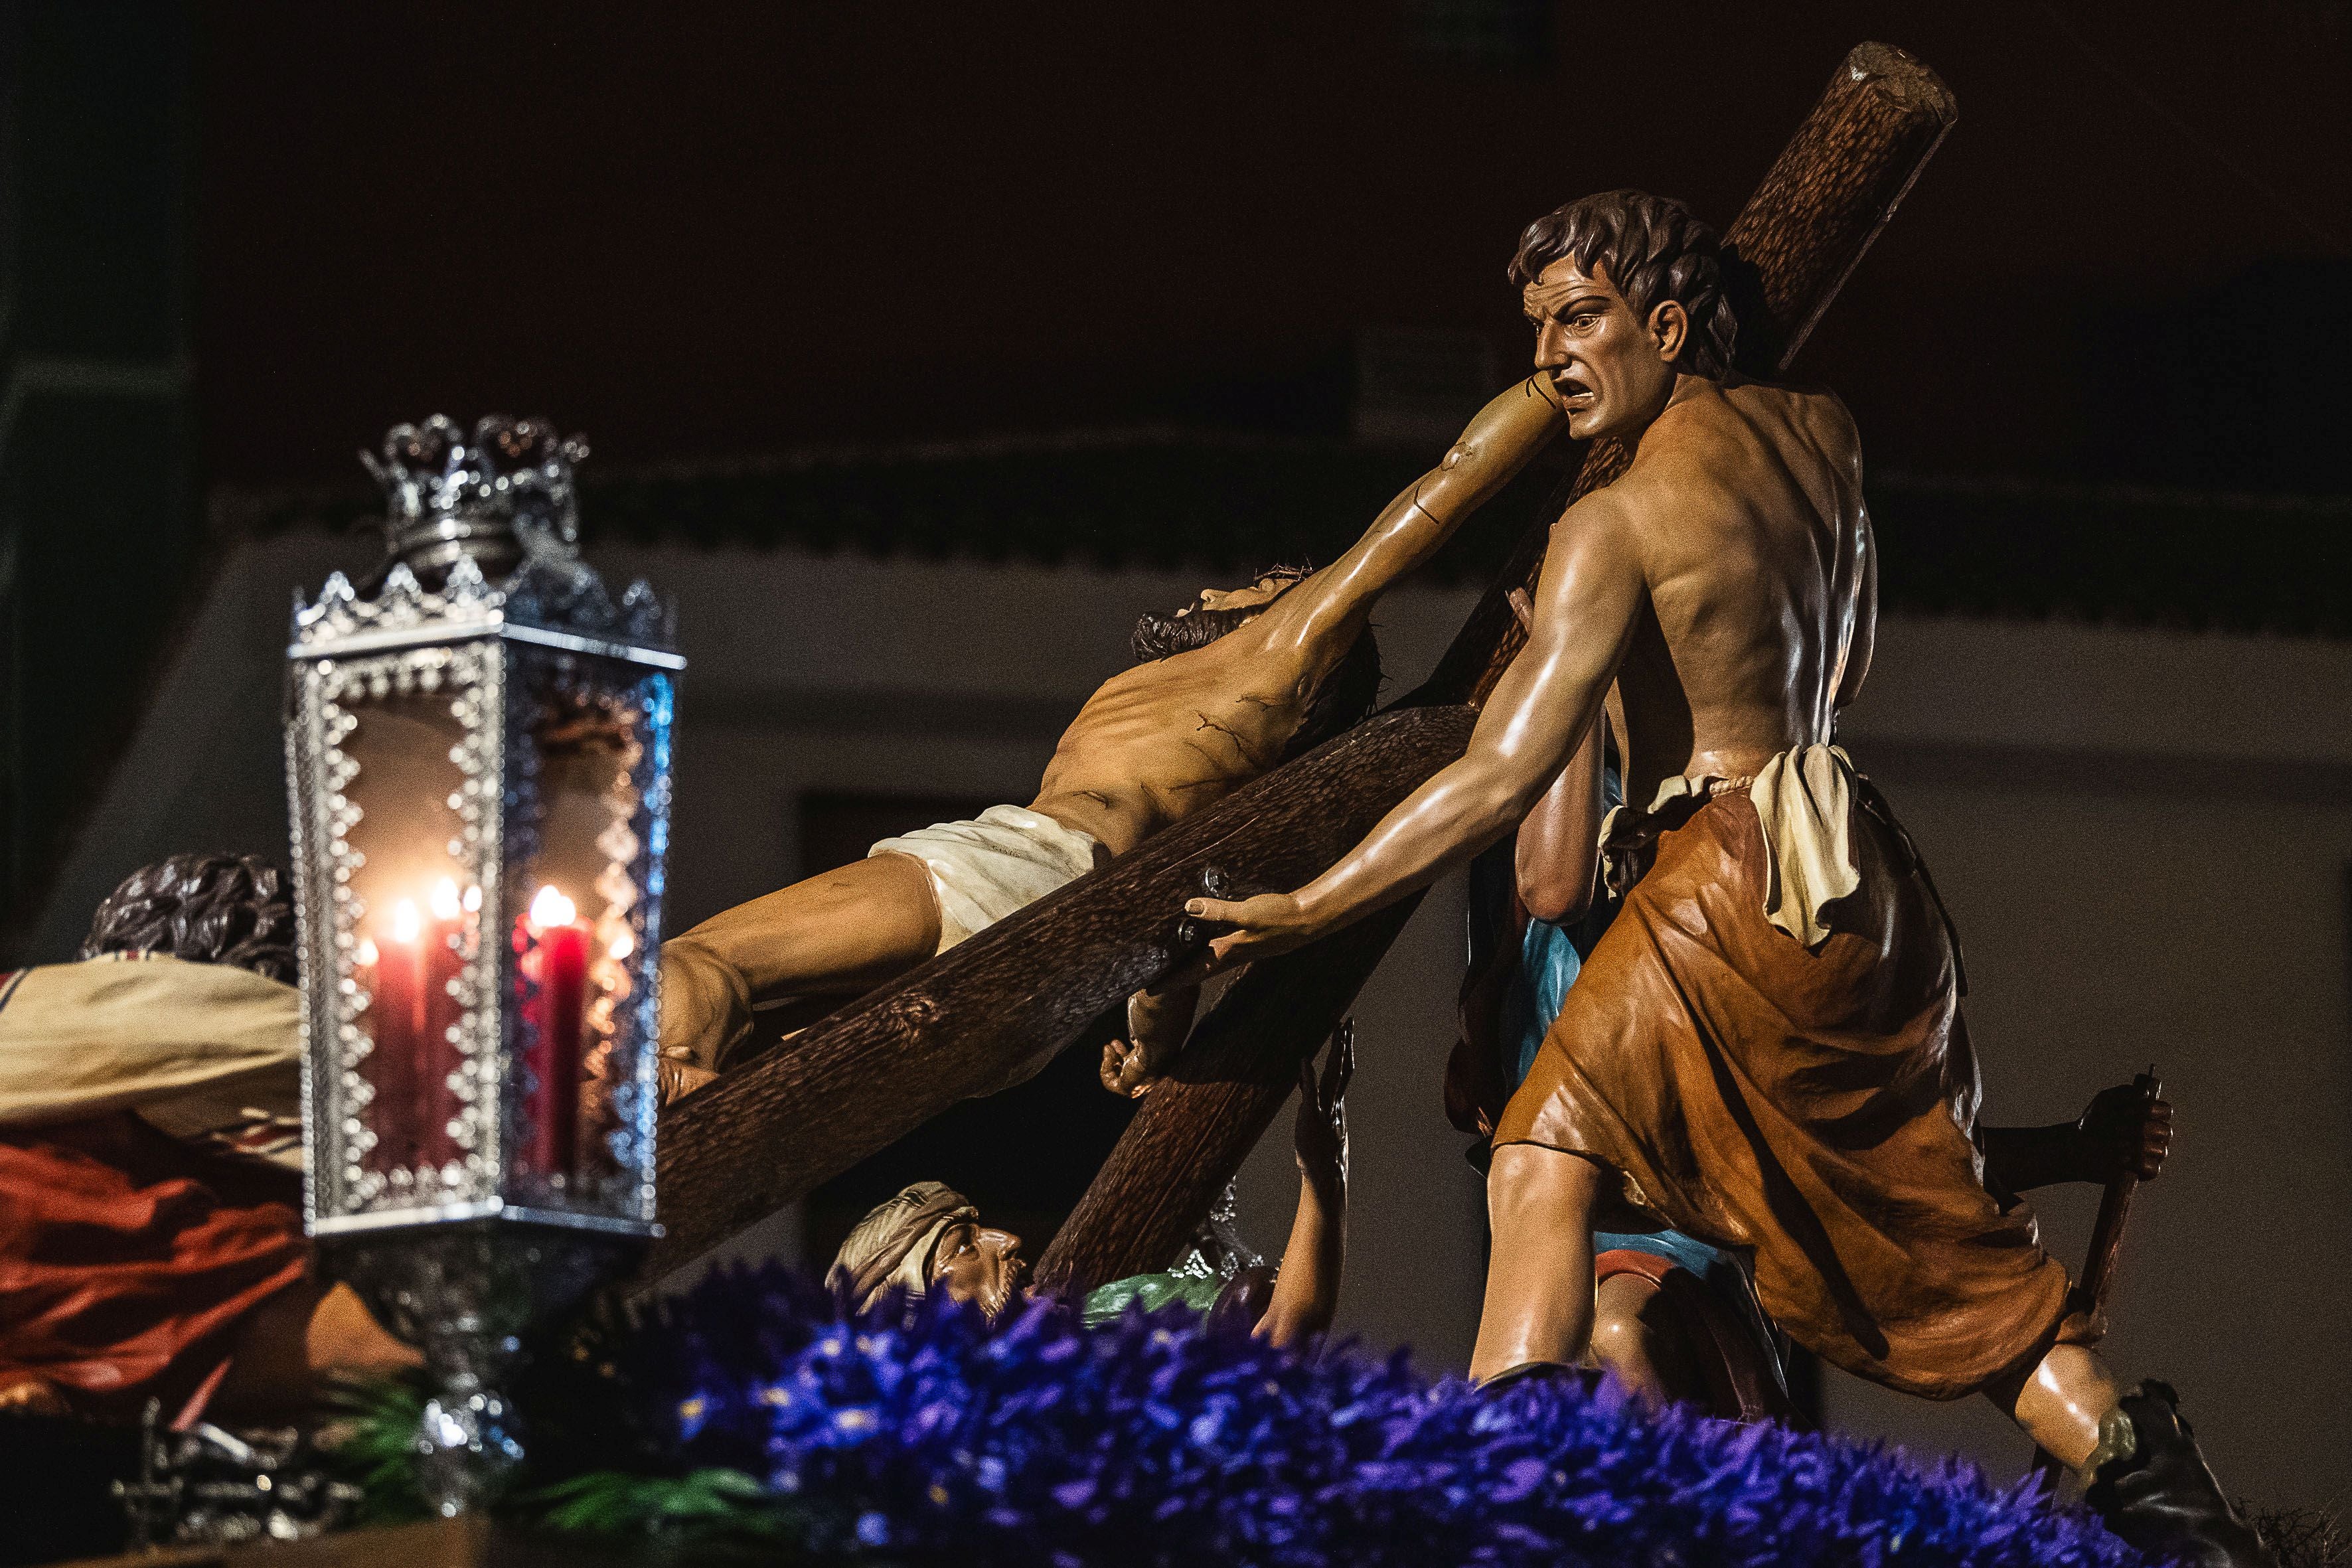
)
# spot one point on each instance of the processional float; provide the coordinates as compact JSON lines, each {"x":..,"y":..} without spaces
{"x":479,"y":754}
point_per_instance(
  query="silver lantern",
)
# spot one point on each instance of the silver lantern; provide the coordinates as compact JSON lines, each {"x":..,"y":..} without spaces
{"x":478,"y":756}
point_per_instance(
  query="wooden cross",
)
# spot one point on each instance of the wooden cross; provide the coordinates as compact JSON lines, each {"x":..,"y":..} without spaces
{"x":1820,"y":205}
{"x":960,"y":1024}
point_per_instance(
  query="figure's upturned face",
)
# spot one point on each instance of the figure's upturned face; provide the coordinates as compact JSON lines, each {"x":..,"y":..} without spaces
{"x":1611,"y":370}
{"x":1262,"y":592}
{"x":974,"y":1263}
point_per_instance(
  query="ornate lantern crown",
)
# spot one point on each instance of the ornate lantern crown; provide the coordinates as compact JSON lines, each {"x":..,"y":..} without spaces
{"x":506,"y":488}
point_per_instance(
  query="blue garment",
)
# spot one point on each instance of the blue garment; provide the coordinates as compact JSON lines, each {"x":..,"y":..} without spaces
{"x":1550,"y":958}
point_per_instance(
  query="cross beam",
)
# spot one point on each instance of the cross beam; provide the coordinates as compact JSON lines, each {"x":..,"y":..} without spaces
{"x":972,"y":1019}
{"x":967,"y":1021}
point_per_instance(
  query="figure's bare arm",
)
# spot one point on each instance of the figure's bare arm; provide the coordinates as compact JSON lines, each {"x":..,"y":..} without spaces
{"x":1558,"y":851}
{"x":1593,"y":586}
{"x":1157,"y":1025}
{"x":1330,"y":606}
{"x":1306,"y":1289}
{"x":2121,"y":1132}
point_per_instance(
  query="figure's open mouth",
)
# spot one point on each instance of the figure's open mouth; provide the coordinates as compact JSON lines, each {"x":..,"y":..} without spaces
{"x":1573,"y":394}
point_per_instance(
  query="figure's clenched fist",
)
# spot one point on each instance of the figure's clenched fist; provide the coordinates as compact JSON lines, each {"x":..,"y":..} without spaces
{"x":2123,"y":1132}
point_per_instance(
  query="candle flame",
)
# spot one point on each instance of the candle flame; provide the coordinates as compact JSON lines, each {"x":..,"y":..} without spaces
{"x":366,"y":954}
{"x":552,"y":909}
{"x":406,"y":926}
{"x":445,"y":900}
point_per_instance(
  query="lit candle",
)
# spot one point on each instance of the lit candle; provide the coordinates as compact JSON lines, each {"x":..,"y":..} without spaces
{"x":553,"y":949}
{"x":436,"y":1054}
{"x":395,"y":1027}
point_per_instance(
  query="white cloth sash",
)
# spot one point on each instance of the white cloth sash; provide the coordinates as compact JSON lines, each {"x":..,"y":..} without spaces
{"x":1804,"y":802}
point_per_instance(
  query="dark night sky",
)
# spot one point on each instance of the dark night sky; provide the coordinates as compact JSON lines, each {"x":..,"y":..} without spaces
{"x":710,"y":230}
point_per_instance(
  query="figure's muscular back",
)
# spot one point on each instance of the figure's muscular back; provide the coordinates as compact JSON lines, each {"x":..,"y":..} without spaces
{"x":1745,"y":506}
{"x":1166,"y":739}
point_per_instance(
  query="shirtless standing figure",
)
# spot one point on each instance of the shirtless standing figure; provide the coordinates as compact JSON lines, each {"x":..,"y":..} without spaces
{"x":1766,"y":1050}
{"x":1223,"y":689}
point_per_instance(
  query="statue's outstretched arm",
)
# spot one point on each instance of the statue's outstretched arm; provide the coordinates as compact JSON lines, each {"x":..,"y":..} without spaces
{"x":1591,"y":588}
{"x":1506,"y":434}
{"x":1307,"y":1290}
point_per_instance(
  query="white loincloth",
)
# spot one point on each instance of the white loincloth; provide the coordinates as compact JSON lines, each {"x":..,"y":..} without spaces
{"x":1803,"y":799}
{"x":984,"y":869}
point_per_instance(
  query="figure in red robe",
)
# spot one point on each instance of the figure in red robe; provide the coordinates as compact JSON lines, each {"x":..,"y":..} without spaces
{"x":150,"y":1224}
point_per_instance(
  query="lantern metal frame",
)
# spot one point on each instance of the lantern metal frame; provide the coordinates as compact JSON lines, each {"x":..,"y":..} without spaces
{"x":484,"y":649}
{"x":458,"y":1254}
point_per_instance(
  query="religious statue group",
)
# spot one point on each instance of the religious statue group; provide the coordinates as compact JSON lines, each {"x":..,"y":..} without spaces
{"x":1714,"y":1043}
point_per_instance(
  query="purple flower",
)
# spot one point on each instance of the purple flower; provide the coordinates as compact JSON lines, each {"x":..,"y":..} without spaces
{"x":1147,"y":1441}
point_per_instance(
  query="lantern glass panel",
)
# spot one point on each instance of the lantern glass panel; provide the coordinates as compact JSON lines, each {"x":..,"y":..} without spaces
{"x":412,"y":935}
{"x":582,"y":840}
{"x":408,"y":1044}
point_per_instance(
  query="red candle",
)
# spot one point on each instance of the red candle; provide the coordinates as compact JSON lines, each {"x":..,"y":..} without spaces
{"x":396,"y":971}
{"x":436,"y":1054}
{"x":554,"y":963}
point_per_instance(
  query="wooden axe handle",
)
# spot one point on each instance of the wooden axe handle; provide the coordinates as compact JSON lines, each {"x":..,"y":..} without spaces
{"x":2098,"y":1277}
{"x":2090,"y":1294}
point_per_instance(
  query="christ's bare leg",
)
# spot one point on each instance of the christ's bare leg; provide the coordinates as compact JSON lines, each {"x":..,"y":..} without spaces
{"x":1539,"y":1283}
{"x":2061,"y":1402}
{"x":840,"y":932}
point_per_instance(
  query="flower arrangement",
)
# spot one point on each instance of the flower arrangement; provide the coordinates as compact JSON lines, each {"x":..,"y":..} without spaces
{"x":760,"y":1405}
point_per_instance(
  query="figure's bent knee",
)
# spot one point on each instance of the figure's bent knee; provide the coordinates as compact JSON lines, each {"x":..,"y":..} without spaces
{"x":1621,"y":1335}
{"x":1619,"y":1309}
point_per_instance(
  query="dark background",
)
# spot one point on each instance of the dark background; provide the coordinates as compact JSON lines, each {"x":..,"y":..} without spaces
{"x":242,"y":239}
{"x":720,"y":229}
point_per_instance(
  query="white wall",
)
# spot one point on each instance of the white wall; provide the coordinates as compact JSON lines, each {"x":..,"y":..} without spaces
{"x":2145,"y":839}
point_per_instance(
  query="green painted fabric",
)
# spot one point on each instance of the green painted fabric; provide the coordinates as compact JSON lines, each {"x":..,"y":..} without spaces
{"x":1151,"y":1292}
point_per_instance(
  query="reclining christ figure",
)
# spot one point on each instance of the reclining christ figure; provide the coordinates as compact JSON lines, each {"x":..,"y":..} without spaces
{"x":1222,"y":691}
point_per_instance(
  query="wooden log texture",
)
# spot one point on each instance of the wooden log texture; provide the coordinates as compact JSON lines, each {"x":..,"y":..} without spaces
{"x":970,"y":1020}
{"x":1238,"y":1067}
{"x":1823,"y":201}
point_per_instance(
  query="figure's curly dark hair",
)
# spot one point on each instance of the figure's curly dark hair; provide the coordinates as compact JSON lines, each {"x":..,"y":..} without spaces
{"x":206,"y":909}
{"x":1653,"y":250}
{"x":1341,"y":702}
